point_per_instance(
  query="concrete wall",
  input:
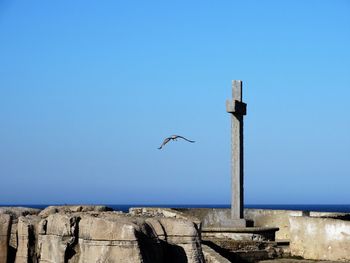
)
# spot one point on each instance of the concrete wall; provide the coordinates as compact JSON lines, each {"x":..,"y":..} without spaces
{"x":320,"y":238}
{"x":213,"y":218}
{"x":272,"y":218}
{"x":312,"y":235}
{"x":210,"y":217}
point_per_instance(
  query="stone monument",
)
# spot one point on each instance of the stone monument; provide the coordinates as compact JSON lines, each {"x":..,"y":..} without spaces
{"x":237,"y":109}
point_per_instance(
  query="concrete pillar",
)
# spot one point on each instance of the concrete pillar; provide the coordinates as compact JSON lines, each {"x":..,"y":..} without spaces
{"x":237,"y":109}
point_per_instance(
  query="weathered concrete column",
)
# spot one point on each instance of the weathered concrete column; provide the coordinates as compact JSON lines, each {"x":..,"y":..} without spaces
{"x":237,"y":109}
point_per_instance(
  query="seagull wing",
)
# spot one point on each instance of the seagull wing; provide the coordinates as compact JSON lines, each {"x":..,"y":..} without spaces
{"x":178,"y":136}
{"x":166,"y":140}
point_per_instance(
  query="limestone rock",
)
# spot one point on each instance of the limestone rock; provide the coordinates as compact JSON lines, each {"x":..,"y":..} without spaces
{"x":16,"y":212}
{"x":57,"y":236}
{"x":183,"y":240}
{"x":27,"y":233}
{"x":179,"y":231}
{"x":116,"y":238}
{"x":163,"y":212}
{"x":83,"y":234}
{"x":5,"y":227}
{"x":73,"y":208}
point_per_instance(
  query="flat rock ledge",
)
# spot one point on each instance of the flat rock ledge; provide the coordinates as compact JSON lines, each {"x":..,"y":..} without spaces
{"x":78,"y":234}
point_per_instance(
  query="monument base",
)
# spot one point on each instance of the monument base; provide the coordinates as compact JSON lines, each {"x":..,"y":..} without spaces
{"x":240,"y":233}
{"x":238,"y":223}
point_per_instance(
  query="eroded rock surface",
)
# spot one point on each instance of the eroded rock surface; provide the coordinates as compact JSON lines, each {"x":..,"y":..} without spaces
{"x":73,"y":208}
{"x":16,"y":212}
{"x":83,"y":234}
{"x":8,"y":242}
{"x":5,"y":230}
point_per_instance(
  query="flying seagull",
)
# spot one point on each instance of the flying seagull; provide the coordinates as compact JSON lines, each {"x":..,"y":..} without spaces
{"x":174,"y":138}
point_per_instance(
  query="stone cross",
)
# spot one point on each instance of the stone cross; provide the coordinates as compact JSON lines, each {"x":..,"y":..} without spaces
{"x":238,"y":109}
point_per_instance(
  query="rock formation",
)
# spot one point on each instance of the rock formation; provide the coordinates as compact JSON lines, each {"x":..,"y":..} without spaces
{"x":83,"y":234}
{"x":78,"y":234}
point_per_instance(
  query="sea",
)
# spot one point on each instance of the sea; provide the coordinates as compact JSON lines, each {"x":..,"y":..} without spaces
{"x":302,"y":207}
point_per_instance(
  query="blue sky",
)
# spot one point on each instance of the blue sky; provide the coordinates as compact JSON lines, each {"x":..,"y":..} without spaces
{"x":88,"y":90}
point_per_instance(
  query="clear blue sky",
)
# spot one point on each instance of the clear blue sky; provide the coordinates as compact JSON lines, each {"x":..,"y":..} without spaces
{"x":88,"y":90}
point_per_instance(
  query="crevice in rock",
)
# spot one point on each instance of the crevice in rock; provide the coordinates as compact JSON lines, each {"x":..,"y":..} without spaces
{"x":31,"y":245}
{"x":150,"y":248}
{"x":71,"y":248}
{"x":43,"y":226}
{"x":11,"y":254}
{"x":175,"y":253}
{"x":11,"y":251}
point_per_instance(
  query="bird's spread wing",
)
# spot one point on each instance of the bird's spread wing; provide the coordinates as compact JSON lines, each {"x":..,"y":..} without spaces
{"x":178,"y":136}
{"x":166,"y":140}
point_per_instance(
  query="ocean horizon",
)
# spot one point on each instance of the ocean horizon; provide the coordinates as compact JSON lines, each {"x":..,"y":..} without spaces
{"x":342,"y":208}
